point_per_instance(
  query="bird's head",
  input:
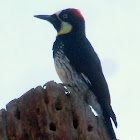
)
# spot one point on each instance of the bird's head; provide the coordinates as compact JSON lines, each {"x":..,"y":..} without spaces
{"x":66,"y":21}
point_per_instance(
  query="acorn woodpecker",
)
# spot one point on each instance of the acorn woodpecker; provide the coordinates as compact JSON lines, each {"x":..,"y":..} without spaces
{"x":77,"y":63}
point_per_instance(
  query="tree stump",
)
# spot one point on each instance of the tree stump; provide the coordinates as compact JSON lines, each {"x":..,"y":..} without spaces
{"x":50,"y":114}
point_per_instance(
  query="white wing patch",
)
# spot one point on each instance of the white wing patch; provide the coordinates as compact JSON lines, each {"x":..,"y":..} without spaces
{"x":85,"y":78}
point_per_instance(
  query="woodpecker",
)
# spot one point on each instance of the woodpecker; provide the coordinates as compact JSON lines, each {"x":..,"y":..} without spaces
{"x":77,"y":63}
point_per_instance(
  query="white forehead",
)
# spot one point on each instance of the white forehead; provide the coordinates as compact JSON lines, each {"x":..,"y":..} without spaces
{"x":57,"y":13}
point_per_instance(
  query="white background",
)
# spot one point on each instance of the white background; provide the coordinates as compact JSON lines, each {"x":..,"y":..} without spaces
{"x":113,"y":28}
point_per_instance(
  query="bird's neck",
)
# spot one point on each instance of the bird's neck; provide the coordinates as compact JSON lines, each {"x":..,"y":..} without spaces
{"x":67,"y":41}
{"x":74,"y":35}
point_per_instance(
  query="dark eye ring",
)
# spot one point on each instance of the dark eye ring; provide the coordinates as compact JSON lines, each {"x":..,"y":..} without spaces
{"x":65,"y":16}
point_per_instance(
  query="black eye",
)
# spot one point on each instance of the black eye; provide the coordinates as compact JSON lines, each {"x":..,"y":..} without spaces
{"x":65,"y":16}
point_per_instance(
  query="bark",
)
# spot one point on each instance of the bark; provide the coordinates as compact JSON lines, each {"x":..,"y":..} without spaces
{"x":50,"y":114}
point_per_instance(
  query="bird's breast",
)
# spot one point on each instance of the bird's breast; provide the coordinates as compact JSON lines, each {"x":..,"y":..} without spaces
{"x":66,"y":72}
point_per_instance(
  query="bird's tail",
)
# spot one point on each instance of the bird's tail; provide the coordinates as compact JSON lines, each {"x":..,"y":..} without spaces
{"x":113,"y":116}
{"x":108,"y":123}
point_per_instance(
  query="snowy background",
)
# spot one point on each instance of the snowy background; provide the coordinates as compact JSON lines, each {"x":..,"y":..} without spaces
{"x":113,"y":28}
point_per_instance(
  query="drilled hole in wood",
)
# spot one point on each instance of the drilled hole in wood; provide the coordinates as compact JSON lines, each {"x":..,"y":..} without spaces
{"x":38,"y":111}
{"x":75,"y":123}
{"x":17,"y":114}
{"x":58,"y":104}
{"x":90,"y":128}
{"x":75,"y":120}
{"x":26,"y":136}
{"x":52,"y":126}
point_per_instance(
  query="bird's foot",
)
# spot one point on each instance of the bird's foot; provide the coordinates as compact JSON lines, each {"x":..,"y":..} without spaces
{"x":45,"y":85}
{"x":65,"y":87}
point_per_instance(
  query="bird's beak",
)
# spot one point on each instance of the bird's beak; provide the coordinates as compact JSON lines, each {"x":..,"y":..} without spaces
{"x":53,"y":19}
{"x":45,"y":17}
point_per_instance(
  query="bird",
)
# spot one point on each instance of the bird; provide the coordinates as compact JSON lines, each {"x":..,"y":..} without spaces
{"x":77,"y":63}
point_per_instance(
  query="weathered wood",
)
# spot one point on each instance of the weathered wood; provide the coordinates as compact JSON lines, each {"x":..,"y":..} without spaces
{"x":50,"y":114}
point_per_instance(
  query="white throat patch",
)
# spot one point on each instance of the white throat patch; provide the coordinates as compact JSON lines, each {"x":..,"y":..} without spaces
{"x":65,"y":26}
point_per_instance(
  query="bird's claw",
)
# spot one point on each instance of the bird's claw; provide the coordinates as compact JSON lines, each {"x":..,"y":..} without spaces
{"x":65,"y":87}
{"x":45,"y":85}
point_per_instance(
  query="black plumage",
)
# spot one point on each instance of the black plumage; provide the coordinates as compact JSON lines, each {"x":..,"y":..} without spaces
{"x":75,"y":59}
{"x":85,"y":61}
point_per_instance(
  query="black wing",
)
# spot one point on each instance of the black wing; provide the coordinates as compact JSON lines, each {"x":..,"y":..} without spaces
{"x":86,"y":62}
